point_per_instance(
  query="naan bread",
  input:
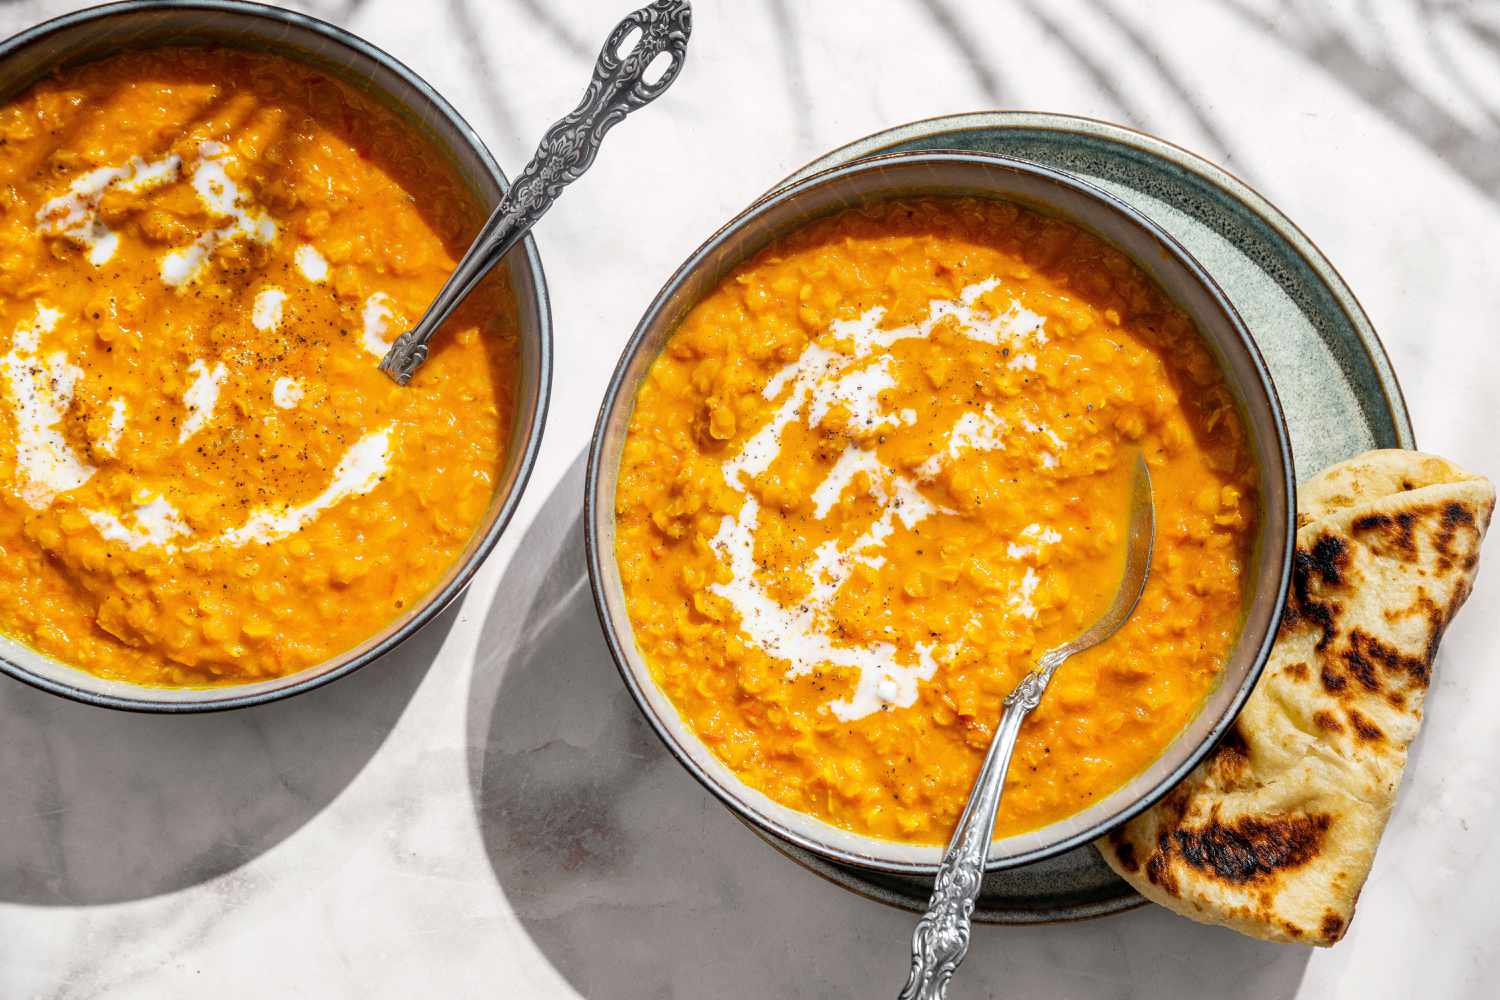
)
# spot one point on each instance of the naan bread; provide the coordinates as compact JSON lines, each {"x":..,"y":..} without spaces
{"x":1274,"y":833}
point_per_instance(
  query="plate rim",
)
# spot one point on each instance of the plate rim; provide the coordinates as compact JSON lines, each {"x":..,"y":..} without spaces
{"x":861,"y":883}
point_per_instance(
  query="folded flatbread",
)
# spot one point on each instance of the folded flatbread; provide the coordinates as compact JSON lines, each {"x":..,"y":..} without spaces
{"x":1274,"y":833}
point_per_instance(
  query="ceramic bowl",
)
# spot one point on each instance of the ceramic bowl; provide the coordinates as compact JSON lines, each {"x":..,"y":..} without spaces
{"x":1051,"y":192}
{"x":104,"y":31}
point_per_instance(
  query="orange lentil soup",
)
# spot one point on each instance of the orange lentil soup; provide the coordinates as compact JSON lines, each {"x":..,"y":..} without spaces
{"x":885,"y":465}
{"x":203,"y":254}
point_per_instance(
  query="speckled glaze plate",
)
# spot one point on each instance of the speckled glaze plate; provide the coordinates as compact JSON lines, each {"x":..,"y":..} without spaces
{"x":1336,"y":385}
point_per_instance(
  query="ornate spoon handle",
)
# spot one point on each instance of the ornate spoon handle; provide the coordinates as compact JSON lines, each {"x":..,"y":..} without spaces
{"x":941,"y":939}
{"x":618,"y":87}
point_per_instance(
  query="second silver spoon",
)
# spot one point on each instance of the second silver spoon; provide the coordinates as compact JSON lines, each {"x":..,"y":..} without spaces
{"x":941,"y":939}
{"x":618,"y":87}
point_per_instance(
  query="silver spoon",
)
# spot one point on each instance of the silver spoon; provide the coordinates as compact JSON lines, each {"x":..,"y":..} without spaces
{"x":618,"y":87}
{"x":941,"y":939}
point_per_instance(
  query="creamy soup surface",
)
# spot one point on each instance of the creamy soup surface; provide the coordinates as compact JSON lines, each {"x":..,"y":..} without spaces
{"x":884,"y":466}
{"x":203,"y":255}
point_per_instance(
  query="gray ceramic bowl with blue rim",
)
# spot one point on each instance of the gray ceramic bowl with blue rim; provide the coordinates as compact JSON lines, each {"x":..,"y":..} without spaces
{"x":947,"y":174}
{"x":100,"y":32}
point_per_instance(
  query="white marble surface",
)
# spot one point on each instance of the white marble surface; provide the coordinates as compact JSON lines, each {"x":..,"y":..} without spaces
{"x":484,"y":814}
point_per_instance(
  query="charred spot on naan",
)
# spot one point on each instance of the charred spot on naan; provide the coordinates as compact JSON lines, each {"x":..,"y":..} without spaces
{"x":1230,"y":763}
{"x":1252,"y":849}
{"x":1234,"y":742}
{"x":1228,"y":766}
{"x":1456,"y":517}
{"x":1328,"y":558}
{"x":1422,"y":606}
{"x":1159,"y":865}
{"x":1325,"y":561}
{"x":1366,"y":652}
{"x":1366,"y":730}
{"x":1377,"y":667}
{"x":1328,"y":721}
{"x":1394,"y":533}
{"x":1124,"y":850}
{"x":1246,"y":852}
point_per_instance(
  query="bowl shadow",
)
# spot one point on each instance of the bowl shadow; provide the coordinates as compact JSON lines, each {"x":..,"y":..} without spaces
{"x":636,"y":883}
{"x":104,"y":806}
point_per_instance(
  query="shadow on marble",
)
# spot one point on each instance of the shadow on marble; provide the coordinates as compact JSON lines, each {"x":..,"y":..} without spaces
{"x":103,"y":806}
{"x":636,"y":883}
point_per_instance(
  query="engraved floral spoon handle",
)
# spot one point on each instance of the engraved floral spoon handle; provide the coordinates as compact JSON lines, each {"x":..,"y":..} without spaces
{"x":941,"y":939}
{"x":618,"y":87}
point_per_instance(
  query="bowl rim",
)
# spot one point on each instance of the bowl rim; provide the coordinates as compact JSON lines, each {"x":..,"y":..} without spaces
{"x":437,"y":600}
{"x":1279,"y":452}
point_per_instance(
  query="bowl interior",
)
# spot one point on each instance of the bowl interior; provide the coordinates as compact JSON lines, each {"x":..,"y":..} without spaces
{"x":101,"y":32}
{"x":981,"y":175}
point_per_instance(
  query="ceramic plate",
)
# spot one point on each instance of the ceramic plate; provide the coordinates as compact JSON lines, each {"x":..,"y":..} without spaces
{"x":1331,"y":372}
